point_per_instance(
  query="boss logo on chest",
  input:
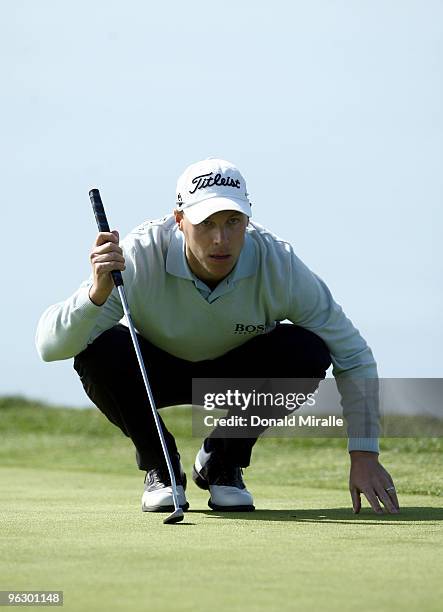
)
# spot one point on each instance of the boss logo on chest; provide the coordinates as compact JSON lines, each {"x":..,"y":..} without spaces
{"x":246,"y":329}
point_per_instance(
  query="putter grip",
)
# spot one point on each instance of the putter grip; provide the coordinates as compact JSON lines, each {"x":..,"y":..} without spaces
{"x":103,"y":226}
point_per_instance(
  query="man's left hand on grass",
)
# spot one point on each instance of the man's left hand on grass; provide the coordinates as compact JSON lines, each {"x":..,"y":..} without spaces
{"x":369,"y":477}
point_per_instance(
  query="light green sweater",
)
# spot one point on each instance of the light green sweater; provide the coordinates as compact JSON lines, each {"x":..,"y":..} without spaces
{"x":176,"y":312}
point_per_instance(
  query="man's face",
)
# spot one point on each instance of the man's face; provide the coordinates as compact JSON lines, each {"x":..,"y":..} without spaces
{"x":213,"y":246}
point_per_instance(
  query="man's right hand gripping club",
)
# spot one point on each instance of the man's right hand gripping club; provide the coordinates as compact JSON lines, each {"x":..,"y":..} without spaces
{"x":105,"y":257}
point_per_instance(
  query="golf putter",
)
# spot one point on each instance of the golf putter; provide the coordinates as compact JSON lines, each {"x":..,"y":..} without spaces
{"x":103,"y":226}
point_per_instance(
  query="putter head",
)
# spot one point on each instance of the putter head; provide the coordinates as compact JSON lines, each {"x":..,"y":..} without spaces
{"x":175,"y":517}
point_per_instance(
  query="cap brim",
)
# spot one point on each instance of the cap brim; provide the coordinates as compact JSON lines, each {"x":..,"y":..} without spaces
{"x":202,"y":210}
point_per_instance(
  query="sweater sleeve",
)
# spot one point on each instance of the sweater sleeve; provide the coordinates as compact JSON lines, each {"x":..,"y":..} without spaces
{"x":312,"y":306}
{"x":65,"y":329}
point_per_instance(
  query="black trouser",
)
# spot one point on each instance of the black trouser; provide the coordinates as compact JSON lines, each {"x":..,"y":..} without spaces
{"x":111,"y":377}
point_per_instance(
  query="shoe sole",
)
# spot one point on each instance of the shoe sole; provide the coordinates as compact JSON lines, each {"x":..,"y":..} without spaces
{"x":230,"y":508}
{"x":171,"y":508}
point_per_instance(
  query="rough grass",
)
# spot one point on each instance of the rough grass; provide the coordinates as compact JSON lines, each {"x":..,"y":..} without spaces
{"x":35,"y":435}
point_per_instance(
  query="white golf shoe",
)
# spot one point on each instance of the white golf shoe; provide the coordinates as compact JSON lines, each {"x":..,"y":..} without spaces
{"x":224,"y":482}
{"x":157,"y":496}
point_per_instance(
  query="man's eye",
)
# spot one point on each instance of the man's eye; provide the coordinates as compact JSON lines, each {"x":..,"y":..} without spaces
{"x":206,"y":224}
{"x":234,"y":220}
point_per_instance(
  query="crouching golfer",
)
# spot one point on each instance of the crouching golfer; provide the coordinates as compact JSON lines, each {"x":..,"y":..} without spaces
{"x":208,"y":290}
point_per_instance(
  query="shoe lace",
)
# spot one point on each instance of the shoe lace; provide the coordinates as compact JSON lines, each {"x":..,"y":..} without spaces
{"x":157,"y":476}
{"x":161,"y":475}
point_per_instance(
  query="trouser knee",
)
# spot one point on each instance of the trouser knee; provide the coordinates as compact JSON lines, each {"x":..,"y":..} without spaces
{"x":289,"y":351}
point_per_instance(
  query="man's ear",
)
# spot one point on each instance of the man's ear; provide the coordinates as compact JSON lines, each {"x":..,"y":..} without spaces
{"x":178,"y":214}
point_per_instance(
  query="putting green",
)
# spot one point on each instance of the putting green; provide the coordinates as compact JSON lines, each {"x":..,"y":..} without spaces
{"x":70,"y":520}
{"x":303,"y":549}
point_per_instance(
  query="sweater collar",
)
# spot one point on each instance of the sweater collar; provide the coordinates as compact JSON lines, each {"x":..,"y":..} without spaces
{"x":177,"y":265}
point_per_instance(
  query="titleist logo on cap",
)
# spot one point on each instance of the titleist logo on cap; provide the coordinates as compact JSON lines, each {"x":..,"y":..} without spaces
{"x":207,"y":180}
{"x":210,"y":186}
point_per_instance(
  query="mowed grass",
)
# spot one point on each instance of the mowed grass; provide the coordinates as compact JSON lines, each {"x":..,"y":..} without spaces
{"x":71,"y":520}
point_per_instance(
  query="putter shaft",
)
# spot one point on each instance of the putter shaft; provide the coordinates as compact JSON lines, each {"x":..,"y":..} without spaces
{"x":122,"y":294}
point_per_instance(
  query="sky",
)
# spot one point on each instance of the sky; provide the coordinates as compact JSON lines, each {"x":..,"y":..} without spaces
{"x":331,"y":109}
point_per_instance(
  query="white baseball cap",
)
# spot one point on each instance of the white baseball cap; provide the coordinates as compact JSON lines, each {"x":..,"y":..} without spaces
{"x":210,"y":186}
